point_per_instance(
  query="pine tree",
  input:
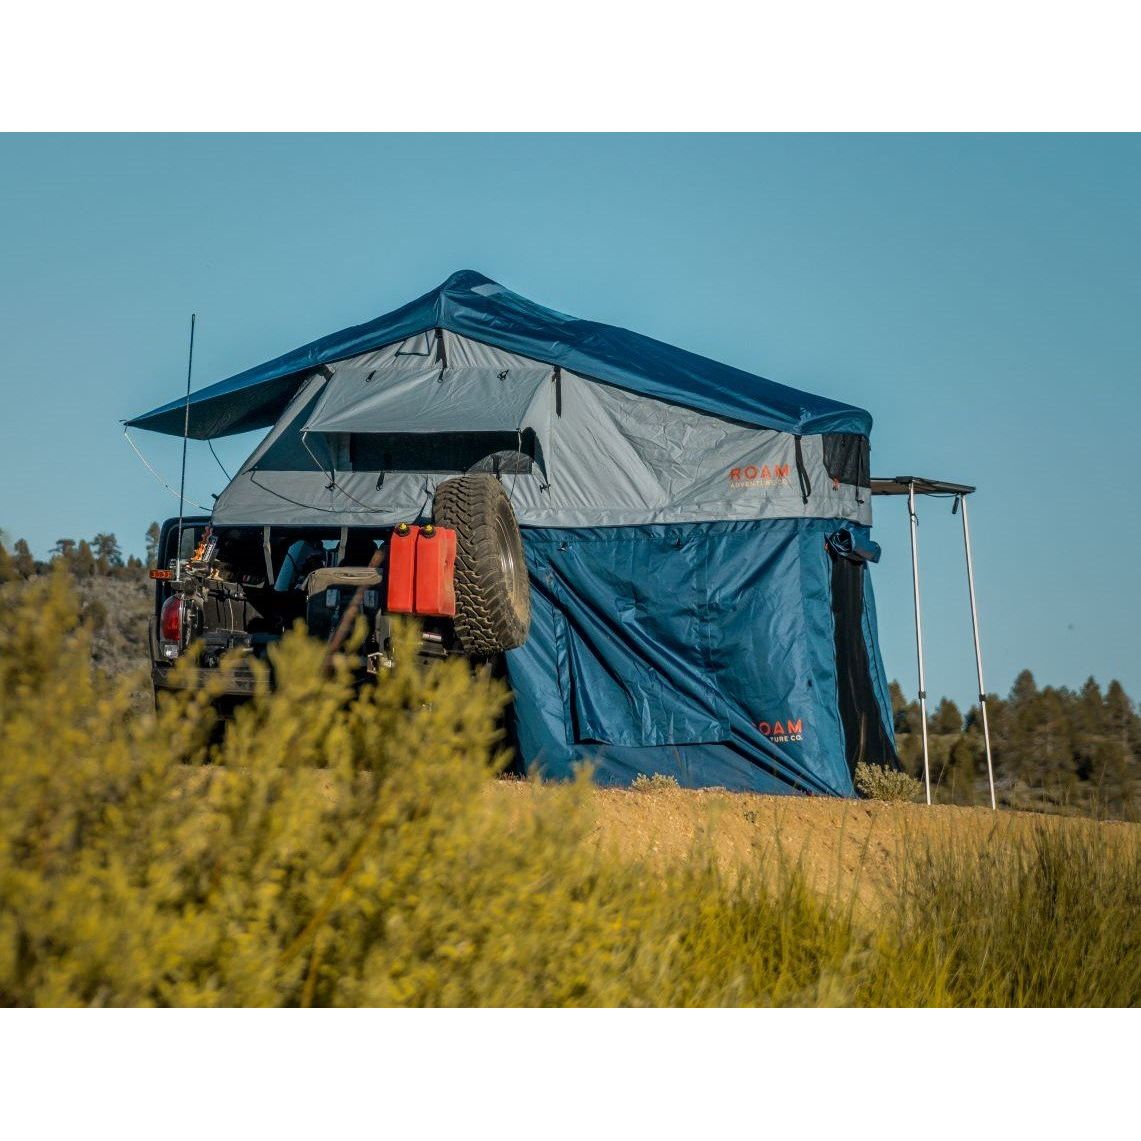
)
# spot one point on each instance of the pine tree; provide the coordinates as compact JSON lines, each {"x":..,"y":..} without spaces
{"x":108,"y":555}
{"x":1122,"y":749}
{"x":64,"y":550}
{"x":905,"y":714}
{"x":154,"y":533}
{"x":947,"y":718}
{"x":895,"y":693}
{"x":1088,"y":731}
{"x":1019,"y":738}
{"x":23,"y":559}
{"x":1092,"y":707}
{"x":1052,"y":736}
{"x":83,"y":561}
{"x":1024,"y":689}
{"x":963,"y":768}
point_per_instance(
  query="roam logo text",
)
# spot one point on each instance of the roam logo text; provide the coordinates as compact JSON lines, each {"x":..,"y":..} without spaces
{"x":762,"y":475}
{"x":781,"y":732}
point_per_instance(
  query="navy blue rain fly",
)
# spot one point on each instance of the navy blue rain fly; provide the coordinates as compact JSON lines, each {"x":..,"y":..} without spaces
{"x":475,"y":306}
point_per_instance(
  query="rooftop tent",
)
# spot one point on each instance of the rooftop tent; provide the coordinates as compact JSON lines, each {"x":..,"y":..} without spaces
{"x":697,"y":538}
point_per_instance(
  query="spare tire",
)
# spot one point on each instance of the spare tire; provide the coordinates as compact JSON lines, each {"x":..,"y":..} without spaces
{"x":493,"y":594}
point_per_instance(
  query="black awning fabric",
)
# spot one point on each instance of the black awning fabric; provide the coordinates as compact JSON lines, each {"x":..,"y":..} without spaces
{"x":900,"y":484}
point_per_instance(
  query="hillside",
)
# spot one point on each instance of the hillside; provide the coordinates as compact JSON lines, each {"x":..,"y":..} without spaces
{"x":119,"y":610}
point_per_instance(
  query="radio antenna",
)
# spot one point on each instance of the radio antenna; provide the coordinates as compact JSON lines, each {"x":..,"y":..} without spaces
{"x":185,"y":435}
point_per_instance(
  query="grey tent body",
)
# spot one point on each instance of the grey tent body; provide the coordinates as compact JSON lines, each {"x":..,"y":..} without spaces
{"x":602,"y":456}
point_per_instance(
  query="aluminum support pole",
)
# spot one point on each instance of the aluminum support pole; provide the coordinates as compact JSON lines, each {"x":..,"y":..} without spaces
{"x":978,"y":649}
{"x":919,"y":636}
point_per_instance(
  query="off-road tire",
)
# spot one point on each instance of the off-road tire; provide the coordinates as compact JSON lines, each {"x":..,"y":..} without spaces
{"x":493,"y":595}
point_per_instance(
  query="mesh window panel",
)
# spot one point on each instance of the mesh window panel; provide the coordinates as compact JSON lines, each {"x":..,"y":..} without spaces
{"x":847,"y":458}
{"x":443,"y":451}
{"x":864,"y":734}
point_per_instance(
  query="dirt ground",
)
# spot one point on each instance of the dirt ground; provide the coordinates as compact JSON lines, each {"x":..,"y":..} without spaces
{"x":844,"y":847}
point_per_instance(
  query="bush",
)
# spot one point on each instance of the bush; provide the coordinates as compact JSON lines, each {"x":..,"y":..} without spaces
{"x":341,"y":849}
{"x":347,"y":847}
{"x":656,"y":783}
{"x":128,"y":875}
{"x":878,"y":782}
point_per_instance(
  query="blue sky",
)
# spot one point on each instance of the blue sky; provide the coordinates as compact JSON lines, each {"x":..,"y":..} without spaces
{"x":979,"y":294}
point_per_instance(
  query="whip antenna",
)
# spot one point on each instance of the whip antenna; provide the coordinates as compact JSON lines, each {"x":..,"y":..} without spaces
{"x":185,"y":434}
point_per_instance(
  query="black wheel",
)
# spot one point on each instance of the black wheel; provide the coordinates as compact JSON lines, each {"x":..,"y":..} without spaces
{"x":493,"y":596}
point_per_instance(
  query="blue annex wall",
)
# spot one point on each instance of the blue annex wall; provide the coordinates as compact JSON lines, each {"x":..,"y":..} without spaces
{"x":702,"y":651}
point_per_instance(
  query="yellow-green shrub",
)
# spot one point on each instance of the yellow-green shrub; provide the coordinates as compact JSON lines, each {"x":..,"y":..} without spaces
{"x":878,"y":782}
{"x":341,"y":847}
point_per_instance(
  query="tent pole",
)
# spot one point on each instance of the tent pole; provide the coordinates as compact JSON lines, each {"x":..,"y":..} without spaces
{"x":919,"y":636}
{"x":978,"y":649}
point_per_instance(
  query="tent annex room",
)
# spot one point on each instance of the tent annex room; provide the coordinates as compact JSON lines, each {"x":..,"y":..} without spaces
{"x":697,"y":538}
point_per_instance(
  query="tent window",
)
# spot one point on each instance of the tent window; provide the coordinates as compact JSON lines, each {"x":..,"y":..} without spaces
{"x":512,"y":453}
{"x":847,"y":458}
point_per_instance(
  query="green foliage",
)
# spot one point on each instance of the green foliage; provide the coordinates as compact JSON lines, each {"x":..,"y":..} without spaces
{"x":963,"y":764}
{"x":154,"y":533}
{"x":906,"y":715}
{"x":100,"y":558}
{"x":947,"y":718}
{"x":658,"y":782}
{"x":346,"y":847}
{"x":108,"y":556}
{"x":82,"y":561}
{"x":1054,"y":749}
{"x":23,"y":559}
{"x":878,"y":782}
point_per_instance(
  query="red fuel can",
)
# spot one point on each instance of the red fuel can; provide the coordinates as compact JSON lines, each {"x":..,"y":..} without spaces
{"x":436,"y":572}
{"x":422,"y":571}
{"x":402,"y":570}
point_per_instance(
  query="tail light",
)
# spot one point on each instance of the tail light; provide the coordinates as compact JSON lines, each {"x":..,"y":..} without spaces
{"x":170,"y":625}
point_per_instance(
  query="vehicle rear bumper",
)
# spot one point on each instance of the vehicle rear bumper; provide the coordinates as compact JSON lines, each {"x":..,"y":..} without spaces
{"x":236,"y":683}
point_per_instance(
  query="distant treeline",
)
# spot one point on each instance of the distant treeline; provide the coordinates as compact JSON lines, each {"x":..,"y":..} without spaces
{"x":1053,"y":747}
{"x":99,"y":557}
